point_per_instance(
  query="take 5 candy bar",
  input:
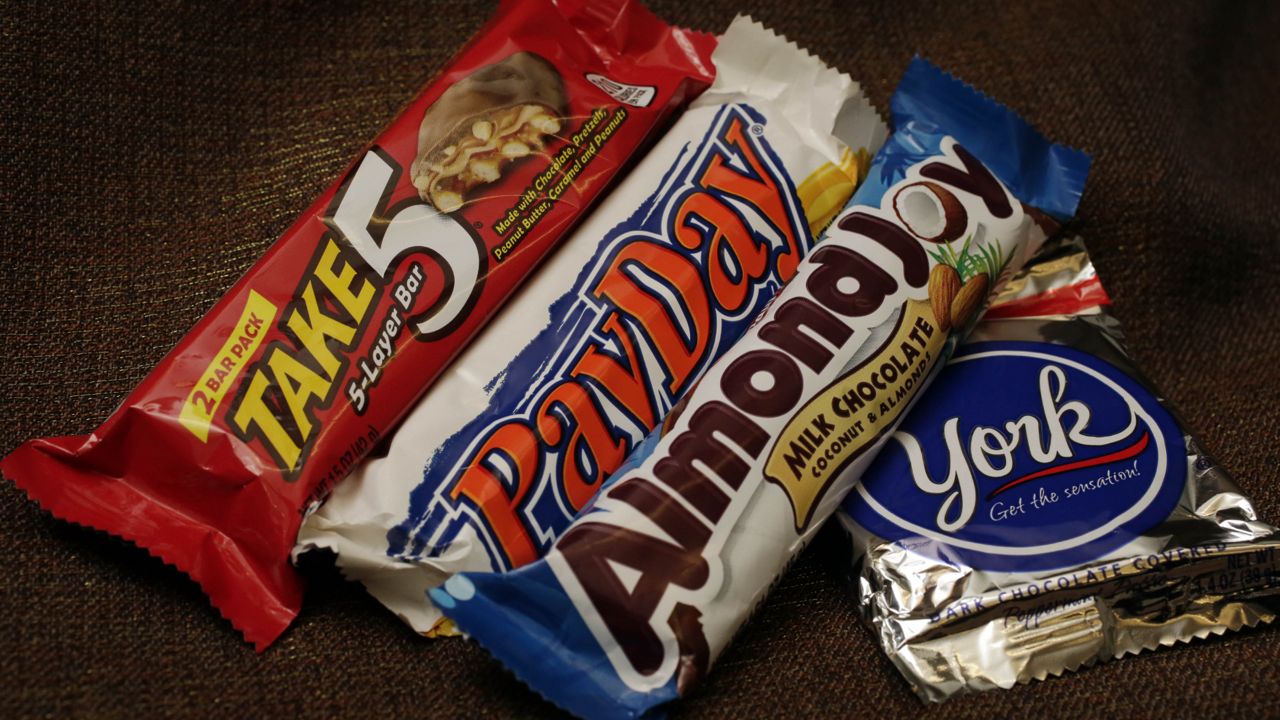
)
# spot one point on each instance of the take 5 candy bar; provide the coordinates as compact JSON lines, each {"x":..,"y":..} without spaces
{"x":524,"y":428}
{"x":1042,"y":508}
{"x":635,"y":601}
{"x":328,"y":340}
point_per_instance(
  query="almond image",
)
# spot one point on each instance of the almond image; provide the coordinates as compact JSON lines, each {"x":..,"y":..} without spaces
{"x":969,"y":299}
{"x":944,"y":285}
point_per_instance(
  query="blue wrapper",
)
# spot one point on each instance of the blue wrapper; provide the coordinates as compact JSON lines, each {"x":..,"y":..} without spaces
{"x":637,"y":598}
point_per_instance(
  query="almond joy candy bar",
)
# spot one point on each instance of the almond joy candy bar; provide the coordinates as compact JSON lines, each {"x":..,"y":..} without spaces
{"x":317,"y":352}
{"x":637,"y":599}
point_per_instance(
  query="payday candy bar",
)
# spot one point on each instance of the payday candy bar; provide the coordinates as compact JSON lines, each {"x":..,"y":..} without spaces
{"x":1042,"y":508}
{"x":646,"y":588}
{"x":520,"y":433}
{"x":329,"y":339}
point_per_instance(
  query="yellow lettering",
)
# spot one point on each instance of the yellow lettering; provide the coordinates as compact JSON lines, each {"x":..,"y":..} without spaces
{"x":253,"y":412}
{"x":355,"y":303}
{"x":315,"y":329}
{"x":298,"y":383}
{"x":197,"y":412}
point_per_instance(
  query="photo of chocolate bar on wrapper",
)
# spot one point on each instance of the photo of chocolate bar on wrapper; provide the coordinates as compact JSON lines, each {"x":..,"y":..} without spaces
{"x":490,"y":119}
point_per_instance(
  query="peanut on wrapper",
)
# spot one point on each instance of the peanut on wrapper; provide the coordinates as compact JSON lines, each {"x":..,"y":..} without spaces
{"x":484,"y":122}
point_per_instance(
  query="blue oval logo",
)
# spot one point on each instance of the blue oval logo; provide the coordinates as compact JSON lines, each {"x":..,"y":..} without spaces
{"x":1025,"y":456}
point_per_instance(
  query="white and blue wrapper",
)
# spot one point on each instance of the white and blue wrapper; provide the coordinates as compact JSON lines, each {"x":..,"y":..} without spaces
{"x":637,"y":599}
{"x":523,"y":429}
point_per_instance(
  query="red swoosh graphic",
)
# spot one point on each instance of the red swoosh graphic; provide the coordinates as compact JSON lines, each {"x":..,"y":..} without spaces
{"x":1125,"y":454}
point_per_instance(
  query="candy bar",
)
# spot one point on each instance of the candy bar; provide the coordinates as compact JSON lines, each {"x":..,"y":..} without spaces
{"x":514,"y":440}
{"x":1043,"y":509}
{"x":316,"y":353}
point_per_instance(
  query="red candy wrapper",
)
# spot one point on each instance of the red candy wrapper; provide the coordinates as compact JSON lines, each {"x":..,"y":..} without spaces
{"x":323,"y":345}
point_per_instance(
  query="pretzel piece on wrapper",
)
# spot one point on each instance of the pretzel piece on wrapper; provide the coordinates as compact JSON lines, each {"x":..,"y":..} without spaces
{"x":493,"y":117}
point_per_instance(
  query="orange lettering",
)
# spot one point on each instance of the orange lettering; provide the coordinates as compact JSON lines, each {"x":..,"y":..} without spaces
{"x":589,"y":433}
{"x":729,"y":235}
{"x":629,"y":387}
{"x":658,"y":319}
{"x":488,"y":493}
{"x":760,"y":191}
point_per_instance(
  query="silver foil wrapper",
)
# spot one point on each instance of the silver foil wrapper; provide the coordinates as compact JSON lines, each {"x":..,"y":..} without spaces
{"x":954,"y":622}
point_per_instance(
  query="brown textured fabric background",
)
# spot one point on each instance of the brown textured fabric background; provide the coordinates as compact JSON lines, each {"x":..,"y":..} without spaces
{"x":151,"y":151}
